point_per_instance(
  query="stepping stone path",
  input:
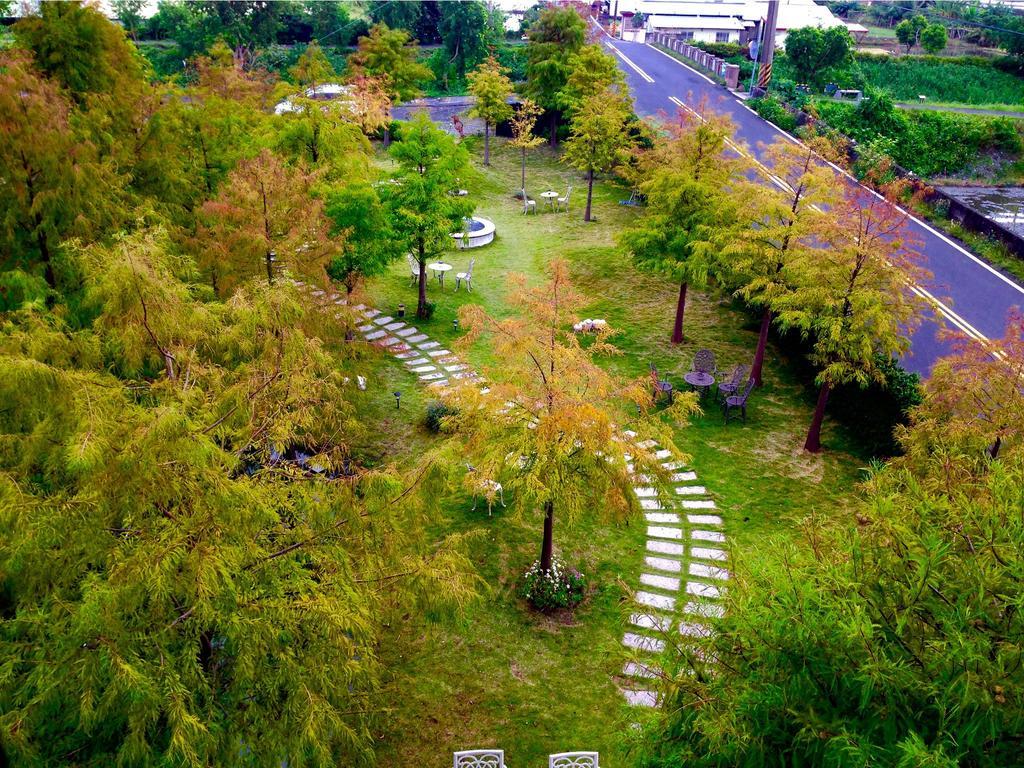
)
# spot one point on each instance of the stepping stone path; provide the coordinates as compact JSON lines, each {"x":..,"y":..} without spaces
{"x":686,"y":565}
{"x":685,"y":573}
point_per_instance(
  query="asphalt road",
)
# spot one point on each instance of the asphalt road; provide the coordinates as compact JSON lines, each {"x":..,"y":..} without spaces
{"x":970,"y":295}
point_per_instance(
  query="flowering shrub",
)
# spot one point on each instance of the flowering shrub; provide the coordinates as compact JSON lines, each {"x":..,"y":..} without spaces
{"x":560,"y":587}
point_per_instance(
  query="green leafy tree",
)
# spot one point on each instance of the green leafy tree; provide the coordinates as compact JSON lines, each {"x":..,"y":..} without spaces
{"x":547,"y":428}
{"x":908,"y":31}
{"x":592,"y":72}
{"x":323,"y":136}
{"x":463,"y":29}
{"x":783,"y":223}
{"x":558,"y":34}
{"x":387,"y":53}
{"x":312,"y":68}
{"x":933,"y":38}
{"x":129,"y":13}
{"x":687,"y":179}
{"x":598,"y":137}
{"x":816,"y":53}
{"x":361,"y":222}
{"x":851,"y":298}
{"x":398,"y":15}
{"x":490,"y":86}
{"x":523,"y":121}
{"x":422,"y":209}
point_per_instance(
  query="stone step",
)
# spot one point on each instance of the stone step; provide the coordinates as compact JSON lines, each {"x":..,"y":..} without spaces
{"x":431,"y":376}
{"x":419,"y":361}
{"x":437,"y":352}
{"x":429,"y":345}
{"x":666,"y":583}
{"x":708,"y":572}
{"x":650,"y":504}
{"x":367,"y":328}
{"x":716,"y":536}
{"x":628,"y":433}
{"x":662,"y":454}
{"x":643,"y":642}
{"x":684,"y":477}
{"x":666,"y":548}
{"x":645,"y":492}
{"x":418,"y":338}
{"x":692,"y":490}
{"x":707,"y":610}
{"x":405,"y":333}
{"x":664,"y":564}
{"x":636,"y":669}
{"x":704,"y":519}
{"x":371,"y":313}
{"x":647,"y":621}
{"x":661,"y":602}
{"x":699,"y":589}
{"x":376,"y":335}
{"x":641,"y":698}
{"x":648,"y":444}
{"x":454,"y":368}
{"x":694,"y":629}
{"x":697,"y":504}
{"x":662,"y":517}
{"x":705,"y":553}
{"x":663,"y":532}
{"x":394,"y":326}
{"x":439,"y":383}
{"x":359,"y":307}
{"x":384,"y":320}
{"x":424,"y":369}
{"x":671,"y":466}
{"x":390,"y":341}
{"x":407,"y":355}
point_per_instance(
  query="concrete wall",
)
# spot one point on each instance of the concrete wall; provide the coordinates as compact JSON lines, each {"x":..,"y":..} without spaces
{"x":699,"y":35}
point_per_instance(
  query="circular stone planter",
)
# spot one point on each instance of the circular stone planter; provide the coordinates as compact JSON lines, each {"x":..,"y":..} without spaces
{"x":478,"y":232}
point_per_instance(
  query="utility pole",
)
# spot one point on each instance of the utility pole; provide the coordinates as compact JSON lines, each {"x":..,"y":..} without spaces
{"x":767,"y":52}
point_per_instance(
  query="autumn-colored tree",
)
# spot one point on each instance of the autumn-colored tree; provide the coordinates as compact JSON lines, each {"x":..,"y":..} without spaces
{"x":779,"y":221}
{"x":598,"y":136}
{"x":264,"y":220}
{"x":688,"y":179}
{"x":975,"y":396}
{"x":54,"y":186}
{"x":523,"y":121}
{"x":546,"y":429}
{"x":369,"y":103}
{"x":554,"y":38}
{"x":312,"y":68}
{"x":853,"y":297}
{"x":388,"y":54}
{"x":220,"y":73}
{"x":490,"y":86}
{"x":422,"y":209}
{"x":323,"y":135}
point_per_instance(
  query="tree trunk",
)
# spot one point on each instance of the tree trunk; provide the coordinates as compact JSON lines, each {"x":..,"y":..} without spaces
{"x":387,"y":136}
{"x":553,"y":141}
{"x":993,"y":450}
{"x":44,"y":253}
{"x":813,"y":442}
{"x":421,"y":307}
{"x":523,"y":181}
{"x":270,"y":267}
{"x":677,"y":329}
{"x":762,"y":342}
{"x":590,"y":193}
{"x":547,"y":546}
{"x":487,"y":143}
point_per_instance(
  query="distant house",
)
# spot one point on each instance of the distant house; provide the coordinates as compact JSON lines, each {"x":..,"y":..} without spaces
{"x":728,"y":21}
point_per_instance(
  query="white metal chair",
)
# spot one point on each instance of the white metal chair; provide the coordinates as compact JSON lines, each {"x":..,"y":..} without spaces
{"x":528,"y":204}
{"x":564,"y":201}
{"x":480,"y":758}
{"x":573,"y":760}
{"x":414,"y":266}
{"x":467,"y":276}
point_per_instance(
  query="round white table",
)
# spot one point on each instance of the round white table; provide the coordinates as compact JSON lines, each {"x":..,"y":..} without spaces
{"x":549,"y":198}
{"x":439,"y":268}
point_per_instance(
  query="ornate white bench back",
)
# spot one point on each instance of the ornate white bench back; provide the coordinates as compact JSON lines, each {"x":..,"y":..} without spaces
{"x":573,"y":760}
{"x":480,"y":758}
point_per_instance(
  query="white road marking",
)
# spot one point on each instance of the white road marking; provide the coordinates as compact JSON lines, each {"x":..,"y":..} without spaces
{"x":681,"y":64}
{"x":629,"y":61}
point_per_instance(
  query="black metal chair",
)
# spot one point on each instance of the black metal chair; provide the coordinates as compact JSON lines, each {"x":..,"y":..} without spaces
{"x":731,"y":385}
{"x":659,"y":385}
{"x":738,"y":401}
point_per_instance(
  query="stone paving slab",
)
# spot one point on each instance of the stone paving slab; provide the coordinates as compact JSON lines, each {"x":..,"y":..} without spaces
{"x":635,"y":669}
{"x":708,"y":536}
{"x":662,"y":517}
{"x":662,"y":532}
{"x":672,"y":465}
{"x":437,"y":352}
{"x":705,"y":553}
{"x":707,"y":610}
{"x":692,"y":490}
{"x":371,"y":313}
{"x":645,"y":493}
{"x":641,"y":698}
{"x":394,"y":326}
{"x":454,"y":368}
{"x":704,"y":519}
{"x":661,"y":602}
{"x":418,"y":361}
{"x":648,"y":621}
{"x":708,"y":571}
{"x":667,"y":583}
{"x":698,"y":589}
{"x":694,"y":629}
{"x":390,"y":341}
{"x":643,"y":643}
{"x":376,"y":335}
{"x":684,"y":477}
{"x":438,"y":384}
{"x":647,"y":444}
{"x":431,"y":376}
{"x":405,"y":333}
{"x":367,"y":328}
{"x":418,"y":338}
{"x":666,"y":548}
{"x":664,"y":564}
{"x":400,"y":347}
{"x":697,"y":504}
{"x":650,"y":504}
{"x":429,"y":345}
{"x":424,"y":369}
{"x":383,"y":320}
{"x":406,"y":355}
{"x":662,"y":454}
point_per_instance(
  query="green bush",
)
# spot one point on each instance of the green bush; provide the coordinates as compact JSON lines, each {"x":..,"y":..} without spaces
{"x":722,"y":50}
{"x":772,"y":109}
{"x":436,"y":413}
{"x":873,"y":413}
{"x":560,"y":587}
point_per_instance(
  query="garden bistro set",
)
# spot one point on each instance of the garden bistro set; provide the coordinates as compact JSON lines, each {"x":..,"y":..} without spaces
{"x":495,"y":758}
{"x":554,"y":201}
{"x":734,"y":387}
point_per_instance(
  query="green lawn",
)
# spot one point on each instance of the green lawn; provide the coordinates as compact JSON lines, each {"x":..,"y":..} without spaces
{"x":501,"y":675}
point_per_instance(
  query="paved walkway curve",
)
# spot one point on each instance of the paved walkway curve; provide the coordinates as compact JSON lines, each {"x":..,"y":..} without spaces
{"x":685,"y":563}
{"x":684,"y":571}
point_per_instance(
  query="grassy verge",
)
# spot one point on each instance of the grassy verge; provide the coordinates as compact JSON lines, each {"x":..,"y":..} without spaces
{"x":502,"y":676}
